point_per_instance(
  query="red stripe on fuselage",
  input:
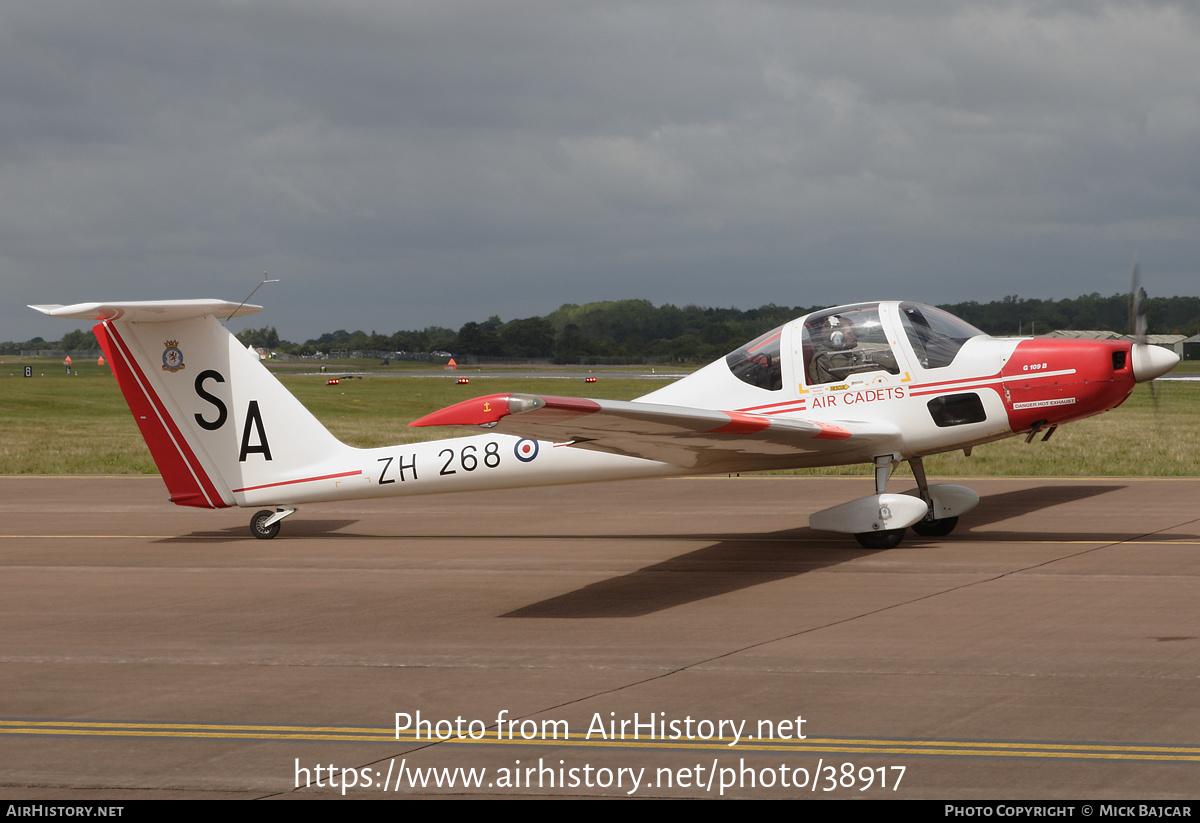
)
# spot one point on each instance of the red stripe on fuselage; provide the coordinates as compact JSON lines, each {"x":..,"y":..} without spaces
{"x":187,"y":482}
{"x":776,"y":407}
{"x":994,"y":386}
{"x":949,"y":384}
{"x":301,"y":480}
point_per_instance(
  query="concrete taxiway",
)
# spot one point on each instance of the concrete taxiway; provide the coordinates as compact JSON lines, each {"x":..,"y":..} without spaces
{"x":1048,"y":649}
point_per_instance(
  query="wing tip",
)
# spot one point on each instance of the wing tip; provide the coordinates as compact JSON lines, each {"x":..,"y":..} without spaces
{"x":476,"y":412}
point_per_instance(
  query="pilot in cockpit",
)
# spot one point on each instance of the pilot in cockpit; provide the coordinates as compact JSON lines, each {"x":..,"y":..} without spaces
{"x":840,"y":354}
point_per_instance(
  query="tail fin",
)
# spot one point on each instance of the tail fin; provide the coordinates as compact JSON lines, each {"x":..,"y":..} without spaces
{"x":218,"y":424}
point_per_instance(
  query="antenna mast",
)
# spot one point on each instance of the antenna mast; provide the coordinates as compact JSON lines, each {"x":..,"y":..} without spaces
{"x":264,"y":282}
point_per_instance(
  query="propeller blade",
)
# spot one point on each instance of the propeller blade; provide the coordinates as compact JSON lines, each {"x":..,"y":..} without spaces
{"x":1149,"y":361}
{"x":1137,"y":305}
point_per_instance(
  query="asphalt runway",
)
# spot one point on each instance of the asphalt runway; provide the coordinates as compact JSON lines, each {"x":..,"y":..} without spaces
{"x":1049,"y":649}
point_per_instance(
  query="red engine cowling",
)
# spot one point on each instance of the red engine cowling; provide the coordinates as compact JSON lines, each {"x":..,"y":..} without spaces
{"x":1051,"y":381}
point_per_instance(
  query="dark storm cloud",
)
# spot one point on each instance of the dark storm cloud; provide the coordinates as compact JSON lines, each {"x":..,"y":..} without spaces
{"x":403,"y":164}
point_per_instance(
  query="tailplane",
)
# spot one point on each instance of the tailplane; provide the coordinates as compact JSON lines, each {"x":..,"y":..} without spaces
{"x":217,"y":423}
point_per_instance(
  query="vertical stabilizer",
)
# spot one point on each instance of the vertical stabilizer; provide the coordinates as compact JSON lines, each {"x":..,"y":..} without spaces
{"x":217,"y":423}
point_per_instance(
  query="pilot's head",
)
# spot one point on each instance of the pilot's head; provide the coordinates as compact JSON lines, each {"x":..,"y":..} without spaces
{"x":840,"y":333}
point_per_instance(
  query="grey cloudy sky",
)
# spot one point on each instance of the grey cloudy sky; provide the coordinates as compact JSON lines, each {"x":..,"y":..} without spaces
{"x":403,"y":164}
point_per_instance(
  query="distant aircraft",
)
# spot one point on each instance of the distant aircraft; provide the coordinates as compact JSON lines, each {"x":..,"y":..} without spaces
{"x":877,"y":383}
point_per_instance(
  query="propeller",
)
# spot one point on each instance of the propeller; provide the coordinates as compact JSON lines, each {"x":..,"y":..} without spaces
{"x":1149,"y":361}
{"x":1137,"y":307}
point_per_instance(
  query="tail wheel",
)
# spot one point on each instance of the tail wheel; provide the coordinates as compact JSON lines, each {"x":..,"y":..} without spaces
{"x":258,"y":526}
{"x":886,"y":539}
{"x":935,"y":528}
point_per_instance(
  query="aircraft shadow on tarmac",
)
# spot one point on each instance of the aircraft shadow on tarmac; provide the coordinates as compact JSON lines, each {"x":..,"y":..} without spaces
{"x":238,"y":534}
{"x":734,"y":561}
{"x":739,"y":561}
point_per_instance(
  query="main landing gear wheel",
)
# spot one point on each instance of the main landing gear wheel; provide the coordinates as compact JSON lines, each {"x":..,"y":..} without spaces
{"x":935,"y":528}
{"x":261,"y":531}
{"x":886,"y":539}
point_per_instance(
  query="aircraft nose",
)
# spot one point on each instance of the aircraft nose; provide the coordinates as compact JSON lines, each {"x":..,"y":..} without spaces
{"x":1150,"y":362}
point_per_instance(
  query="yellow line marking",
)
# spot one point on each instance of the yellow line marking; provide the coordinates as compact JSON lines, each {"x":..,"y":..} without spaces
{"x":901,"y":477}
{"x":726,"y":476}
{"x":108,"y":537}
{"x":102,"y":537}
{"x":80,"y":477}
{"x":928,"y":748}
{"x":960,"y":540}
{"x":70,"y":724}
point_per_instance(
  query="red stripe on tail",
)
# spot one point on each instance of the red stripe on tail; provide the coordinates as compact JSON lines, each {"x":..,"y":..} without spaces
{"x":187,"y":482}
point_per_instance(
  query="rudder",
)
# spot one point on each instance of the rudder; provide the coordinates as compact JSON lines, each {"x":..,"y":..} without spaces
{"x":217,"y":423}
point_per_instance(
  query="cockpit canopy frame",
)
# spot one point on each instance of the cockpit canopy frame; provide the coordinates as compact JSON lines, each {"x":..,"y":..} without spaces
{"x":851,"y":340}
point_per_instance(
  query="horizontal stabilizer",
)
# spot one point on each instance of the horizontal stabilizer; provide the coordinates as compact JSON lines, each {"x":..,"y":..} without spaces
{"x":149,"y":311}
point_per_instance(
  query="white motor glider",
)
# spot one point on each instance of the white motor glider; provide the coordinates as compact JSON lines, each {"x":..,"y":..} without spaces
{"x":876,"y":383}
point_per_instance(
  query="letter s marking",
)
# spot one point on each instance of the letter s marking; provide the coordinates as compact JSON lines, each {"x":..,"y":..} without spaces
{"x":222,"y":412}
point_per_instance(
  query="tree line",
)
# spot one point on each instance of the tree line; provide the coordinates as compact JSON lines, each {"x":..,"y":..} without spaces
{"x":639,"y":329}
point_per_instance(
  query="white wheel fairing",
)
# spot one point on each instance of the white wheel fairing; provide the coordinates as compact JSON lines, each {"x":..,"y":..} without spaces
{"x":874,"y":513}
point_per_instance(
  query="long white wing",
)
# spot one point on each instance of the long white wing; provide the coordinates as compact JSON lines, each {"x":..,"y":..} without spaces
{"x":692,"y":438}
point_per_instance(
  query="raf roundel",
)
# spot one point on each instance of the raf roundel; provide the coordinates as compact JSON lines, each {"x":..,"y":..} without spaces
{"x":526,"y":450}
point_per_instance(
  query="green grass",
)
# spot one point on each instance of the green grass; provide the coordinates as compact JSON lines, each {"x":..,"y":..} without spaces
{"x":54,"y":424}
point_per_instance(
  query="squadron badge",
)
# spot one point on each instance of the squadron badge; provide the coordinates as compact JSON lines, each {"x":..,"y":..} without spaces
{"x":172,"y":356}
